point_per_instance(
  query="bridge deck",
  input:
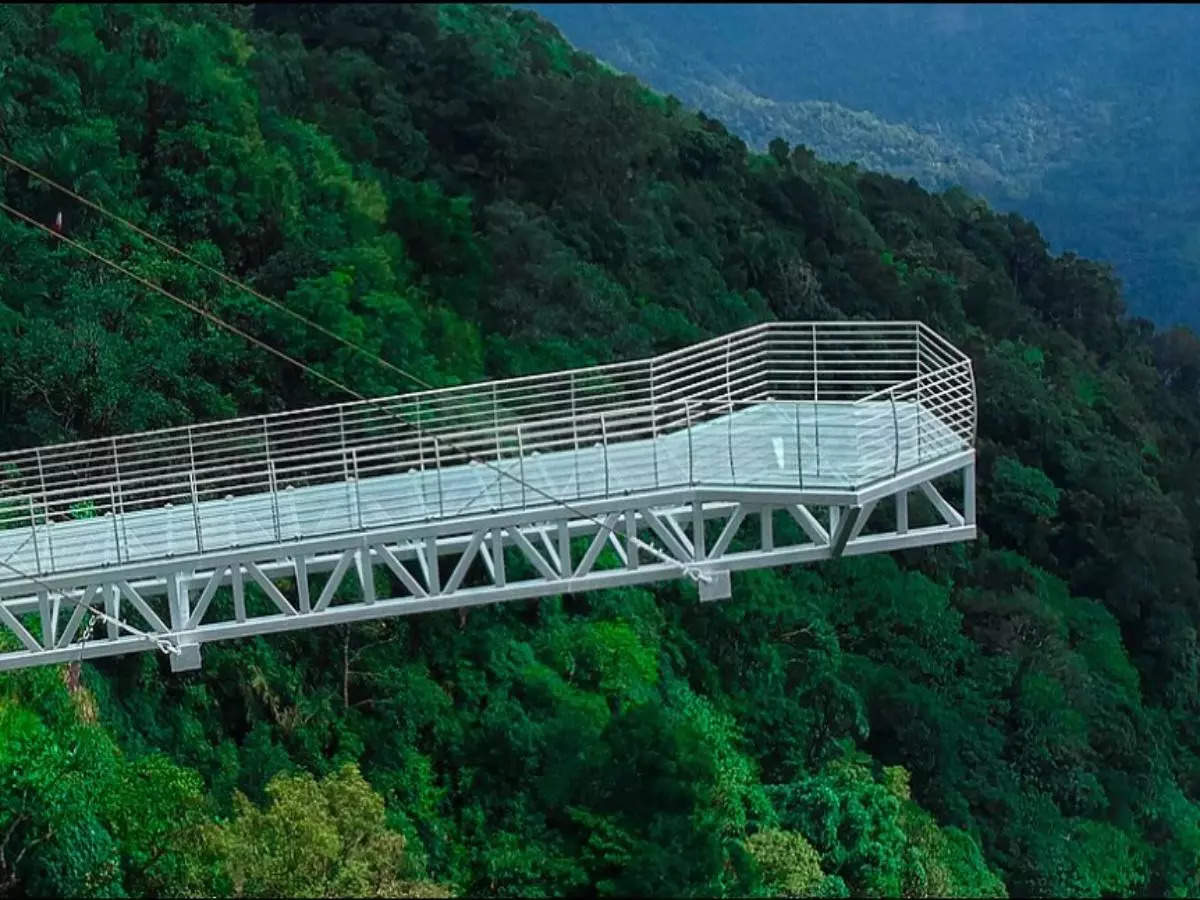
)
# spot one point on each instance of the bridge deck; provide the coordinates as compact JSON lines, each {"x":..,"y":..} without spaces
{"x":690,"y":463}
{"x":841,"y":446}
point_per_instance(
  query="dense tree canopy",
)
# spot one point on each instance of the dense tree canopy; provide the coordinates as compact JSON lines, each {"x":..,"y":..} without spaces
{"x":458,"y":190}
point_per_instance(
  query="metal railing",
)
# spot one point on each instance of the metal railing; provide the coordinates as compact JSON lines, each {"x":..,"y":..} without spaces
{"x":835,"y":404}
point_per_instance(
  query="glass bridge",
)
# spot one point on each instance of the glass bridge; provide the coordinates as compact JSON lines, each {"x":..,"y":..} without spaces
{"x":779,"y":444}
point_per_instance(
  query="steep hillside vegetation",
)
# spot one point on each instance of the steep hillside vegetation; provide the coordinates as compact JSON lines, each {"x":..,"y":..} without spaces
{"x":1079,"y":116}
{"x":459,"y":190}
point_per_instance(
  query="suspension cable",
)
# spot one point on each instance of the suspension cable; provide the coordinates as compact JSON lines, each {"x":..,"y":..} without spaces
{"x":162,"y":642}
{"x":240,"y":285}
{"x":690,"y":571}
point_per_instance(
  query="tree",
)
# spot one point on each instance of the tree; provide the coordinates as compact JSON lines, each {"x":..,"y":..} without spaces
{"x":789,"y":864}
{"x":871,"y":834}
{"x":326,"y":838}
{"x":52,"y":842}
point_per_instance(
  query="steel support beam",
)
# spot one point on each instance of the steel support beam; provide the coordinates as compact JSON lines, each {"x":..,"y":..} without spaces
{"x":186,"y":602}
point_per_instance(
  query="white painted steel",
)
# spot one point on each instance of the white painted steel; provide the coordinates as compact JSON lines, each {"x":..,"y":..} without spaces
{"x":754,"y":444}
{"x":863,"y":400}
{"x":769,"y":421}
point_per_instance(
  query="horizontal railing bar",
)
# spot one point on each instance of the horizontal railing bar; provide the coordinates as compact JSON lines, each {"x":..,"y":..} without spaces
{"x":921,"y":380}
{"x":926,"y":332}
{"x":851,"y":363}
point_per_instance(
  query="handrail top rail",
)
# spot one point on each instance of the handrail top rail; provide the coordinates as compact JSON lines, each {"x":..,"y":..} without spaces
{"x":636,"y":413}
{"x":199,"y":429}
{"x":916,"y":380}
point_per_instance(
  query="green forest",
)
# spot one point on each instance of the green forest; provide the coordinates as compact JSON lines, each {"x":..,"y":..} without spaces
{"x":1079,"y":116}
{"x":458,"y":190}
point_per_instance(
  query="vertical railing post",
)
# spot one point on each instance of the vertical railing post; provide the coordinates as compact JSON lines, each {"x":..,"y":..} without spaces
{"x":974,"y":403}
{"x":917,"y":338}
{"x":169,"y":541}
{"x":499,"y":461}
{"x":424,"y":478}
{"x":732,"y":471}
{"x":919,"y":411}
{"x":46,"y":510}
{"x":191,"y":450}
{"x":421,"y":459}
{"x":345,"y":458}
{"x":196,"y":511}
{"x":728,"y":366}
{"x":895,"y":432}
{"x":687,"y":413}
{"x":816,"y":387}
{"x":274,"y":482}
{"x":575,"y":438}
{"x":120,"y":501}
{"x":521,"y":463}
{"x":271,"y":477}
{"x":357,"y":486}
{"x":437,"y":461}
{"x":917,"y":342}
{"x":604,"y":439}
{"x":37,"y":555}
{"x":729,"y":397}
{"x":799,"y":451}
{"x":195,"y":493}
{"x":342,"y":439}
{"x":816,"y":401}
{"x":420,"y":443}
{"x":653,"y":425}
{"x":112,"y":500}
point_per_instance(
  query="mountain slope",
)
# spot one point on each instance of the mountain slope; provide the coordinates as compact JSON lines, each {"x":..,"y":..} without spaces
{"x":1079,"y":116}
{"x":461,"y":191}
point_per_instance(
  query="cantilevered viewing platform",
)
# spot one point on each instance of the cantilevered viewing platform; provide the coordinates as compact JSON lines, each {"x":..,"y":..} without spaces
{"x":774,"y":445}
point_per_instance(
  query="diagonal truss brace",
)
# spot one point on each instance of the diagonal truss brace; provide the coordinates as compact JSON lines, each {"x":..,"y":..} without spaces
{"x":471,"y":562}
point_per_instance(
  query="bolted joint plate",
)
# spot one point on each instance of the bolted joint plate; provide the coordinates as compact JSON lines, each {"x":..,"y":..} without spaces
{"x":717,"y":588}
{"x":187,"y":659}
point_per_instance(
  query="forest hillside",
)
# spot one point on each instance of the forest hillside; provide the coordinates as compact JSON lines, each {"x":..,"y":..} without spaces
{"x":460,"y":191}
{"x":1080,"y":116}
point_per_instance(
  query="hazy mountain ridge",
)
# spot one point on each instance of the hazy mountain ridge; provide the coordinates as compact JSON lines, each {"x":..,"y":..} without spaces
{"x":1016,"y":103}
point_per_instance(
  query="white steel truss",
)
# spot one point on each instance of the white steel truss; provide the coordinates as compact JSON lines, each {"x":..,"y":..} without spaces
{"x":785,"y":443}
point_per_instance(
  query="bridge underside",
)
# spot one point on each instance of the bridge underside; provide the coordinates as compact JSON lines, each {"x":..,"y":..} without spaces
{"x":706,"y":530}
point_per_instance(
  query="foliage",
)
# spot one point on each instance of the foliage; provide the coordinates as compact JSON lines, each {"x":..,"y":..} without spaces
{"x":876,"y":839}
{"x":462,"y":192}
{"x":790,"y":865}
{"x":1010,"y":102}
{"x":80,"y":818}
{"x":316,"y":839}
